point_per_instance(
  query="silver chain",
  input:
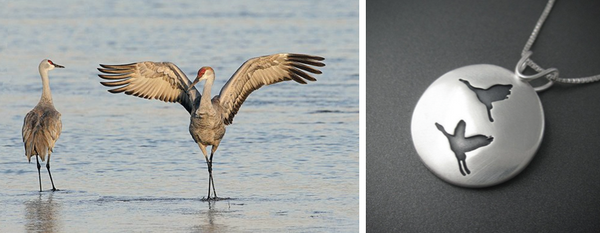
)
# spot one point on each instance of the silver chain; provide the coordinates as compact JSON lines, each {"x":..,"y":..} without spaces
{"x":552,"y":76}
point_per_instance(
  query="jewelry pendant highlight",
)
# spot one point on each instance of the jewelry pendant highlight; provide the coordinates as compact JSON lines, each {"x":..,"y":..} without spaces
{"x":478,"y":125}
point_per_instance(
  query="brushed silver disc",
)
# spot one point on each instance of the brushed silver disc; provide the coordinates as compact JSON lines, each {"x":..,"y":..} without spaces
{"x":477,"y":126}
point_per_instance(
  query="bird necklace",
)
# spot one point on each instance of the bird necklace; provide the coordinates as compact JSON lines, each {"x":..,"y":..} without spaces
{"x":503,"y":113}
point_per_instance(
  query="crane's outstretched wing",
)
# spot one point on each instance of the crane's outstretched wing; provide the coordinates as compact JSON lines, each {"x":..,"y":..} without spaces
{"x":476,"y":141}
{"x":459,"y":131}
{"x":151,"y":80}
{"x":265,"y":70}
{"x":499,"y":92}
{"x":41,"y":130}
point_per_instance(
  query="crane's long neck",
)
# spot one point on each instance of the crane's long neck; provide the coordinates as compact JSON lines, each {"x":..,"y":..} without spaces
{"x":205,"y":101}
{"x":46,"y":94}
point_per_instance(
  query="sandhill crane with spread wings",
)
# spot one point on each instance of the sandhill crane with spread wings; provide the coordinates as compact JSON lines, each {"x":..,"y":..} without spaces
{"x":165,"y":81}
{"x":42,"y":125}
{"x":490,"y":95}
{"x":459,"y":144}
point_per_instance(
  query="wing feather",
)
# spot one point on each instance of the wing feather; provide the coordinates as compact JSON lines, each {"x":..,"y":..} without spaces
{"x":150,"y":80}
{"x":29,"y":125}
{"x":261,"y":71}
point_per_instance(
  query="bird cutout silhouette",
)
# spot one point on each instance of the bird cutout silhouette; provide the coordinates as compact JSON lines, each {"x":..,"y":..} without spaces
{"x":492,"y":94}
{"x":460,"y":145}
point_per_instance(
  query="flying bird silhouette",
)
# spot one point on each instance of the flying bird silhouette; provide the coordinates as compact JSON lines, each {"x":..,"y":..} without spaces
{"x":492,"y":94}
{"x":460,"y":145}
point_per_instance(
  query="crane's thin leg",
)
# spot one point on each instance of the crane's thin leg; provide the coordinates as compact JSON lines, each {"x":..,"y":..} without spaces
{"x":48,"y":167}
{"x":210,"y":178}
{"x":212,"y":152}
{"x":465,"y":165}
{"x":39,"y":174}
{"x":461,"y":169}
{"x":203,"y":148}
{"x":209,"y":175}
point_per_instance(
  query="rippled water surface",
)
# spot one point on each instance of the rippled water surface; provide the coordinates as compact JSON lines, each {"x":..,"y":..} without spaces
{"x":289,"y":163}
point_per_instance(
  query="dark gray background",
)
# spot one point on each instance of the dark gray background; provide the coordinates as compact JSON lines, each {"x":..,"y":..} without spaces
{"x":410,"y":44}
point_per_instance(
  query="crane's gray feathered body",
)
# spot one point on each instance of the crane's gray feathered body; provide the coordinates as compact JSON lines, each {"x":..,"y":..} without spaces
{"x":41,"y":129}
{"x":42,"y":125}
{"x":208,"y":117}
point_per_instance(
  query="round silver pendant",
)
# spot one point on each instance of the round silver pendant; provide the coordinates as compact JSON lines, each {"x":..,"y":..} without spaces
{"x":478,"y":125}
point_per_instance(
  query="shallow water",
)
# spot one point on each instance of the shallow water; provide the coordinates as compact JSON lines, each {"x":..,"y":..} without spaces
{"x":289,"y":163}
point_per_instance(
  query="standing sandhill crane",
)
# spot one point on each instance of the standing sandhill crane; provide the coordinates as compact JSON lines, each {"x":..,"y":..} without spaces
{"x":42,"y":124}
{"x":492,"y":94}
{"x":460,"y":145}
{"x":166,"y":82}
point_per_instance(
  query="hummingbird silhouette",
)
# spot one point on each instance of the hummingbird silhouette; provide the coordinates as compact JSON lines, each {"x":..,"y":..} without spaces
{"x":460,"y":144}
{"x":491,"y":94}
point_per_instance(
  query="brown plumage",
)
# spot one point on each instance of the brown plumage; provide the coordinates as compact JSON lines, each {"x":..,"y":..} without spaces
{"x":41,"y":129}
{"x":165,"y":81}
{"x":42,"y":125}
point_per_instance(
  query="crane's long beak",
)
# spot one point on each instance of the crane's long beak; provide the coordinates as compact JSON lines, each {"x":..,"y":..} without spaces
{"x":193,"y":83}
{"x":57,"y":65}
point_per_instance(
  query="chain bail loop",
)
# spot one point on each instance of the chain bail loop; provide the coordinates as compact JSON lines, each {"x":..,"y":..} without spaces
{"x":522,"y":64}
